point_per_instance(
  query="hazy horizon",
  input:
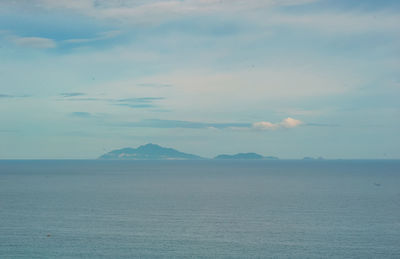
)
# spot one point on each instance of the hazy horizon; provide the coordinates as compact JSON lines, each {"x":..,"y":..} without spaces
{"x":284,"y":78}
{"x":266,"y":157}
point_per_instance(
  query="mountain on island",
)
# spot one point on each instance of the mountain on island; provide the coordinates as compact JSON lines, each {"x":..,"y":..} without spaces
{"x":148,"y":152}
{"x":156,"y":152}
{"x":244,"y":156}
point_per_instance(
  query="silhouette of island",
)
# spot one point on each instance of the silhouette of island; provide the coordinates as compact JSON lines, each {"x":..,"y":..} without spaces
{"x":148,"y":152}
{"x":156,"y":152}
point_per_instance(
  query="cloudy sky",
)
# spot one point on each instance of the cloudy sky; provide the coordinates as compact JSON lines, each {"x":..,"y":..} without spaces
{"x":289,"y":78}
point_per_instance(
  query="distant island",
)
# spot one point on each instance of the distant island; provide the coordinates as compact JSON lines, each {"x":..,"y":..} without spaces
{"x":148,"y":152}
{"x":244,"y":156}
{"x":156,"y":152}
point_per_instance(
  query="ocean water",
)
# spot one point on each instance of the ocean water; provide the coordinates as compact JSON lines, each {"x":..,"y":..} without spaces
{"x":200,"y":209}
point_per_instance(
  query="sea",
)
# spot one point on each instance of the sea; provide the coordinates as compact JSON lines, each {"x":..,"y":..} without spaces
{"x":200,"y":209}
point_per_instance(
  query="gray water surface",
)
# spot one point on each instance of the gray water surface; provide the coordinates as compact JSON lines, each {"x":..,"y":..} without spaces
{"x":200,"y":209}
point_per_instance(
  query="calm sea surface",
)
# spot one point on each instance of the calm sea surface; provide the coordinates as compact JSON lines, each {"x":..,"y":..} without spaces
{"x":203,"y":209}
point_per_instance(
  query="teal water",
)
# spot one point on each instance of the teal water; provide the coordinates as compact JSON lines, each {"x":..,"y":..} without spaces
{"x":200,"y":209}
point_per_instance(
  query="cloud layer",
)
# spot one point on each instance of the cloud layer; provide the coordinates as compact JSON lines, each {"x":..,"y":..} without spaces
{"x":262,"y":125}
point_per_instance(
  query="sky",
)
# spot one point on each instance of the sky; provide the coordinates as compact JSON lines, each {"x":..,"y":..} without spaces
{"x":286,"y":78}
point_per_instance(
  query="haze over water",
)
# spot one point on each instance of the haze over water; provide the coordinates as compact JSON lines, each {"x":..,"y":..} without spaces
{"x":200,"y":209}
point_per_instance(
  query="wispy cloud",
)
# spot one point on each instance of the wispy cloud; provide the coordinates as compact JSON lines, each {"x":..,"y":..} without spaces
{"x":33,"y":42}
{"x":85,"y":99}
{"x":159,"y":11}
{"x":113,"y":7}
{"x":142,"y":102}
{"x":286,"y":123}
{"x":138,"y":102}
{"x":338,"y":22}
{"x":5,"y":96}
{"x":88,"y":115}
{"x":48,"y":43}
{"x":137,"y":105}
{"x":100,"y":36}
{"x":153,"y":11}
{"x":81,"y":114}
{"x":29,"y":42}
{"x":157,"y":123}
{"x":72,"y":94}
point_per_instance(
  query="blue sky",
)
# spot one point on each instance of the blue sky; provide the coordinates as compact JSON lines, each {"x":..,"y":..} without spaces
{"x":289,"y":78}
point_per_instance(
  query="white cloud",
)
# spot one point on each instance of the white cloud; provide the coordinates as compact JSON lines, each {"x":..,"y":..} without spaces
{"x":290,"y":123}
{"x":286,"y":123}
{"x":33,"y":42}
{"x":265,"y":125}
